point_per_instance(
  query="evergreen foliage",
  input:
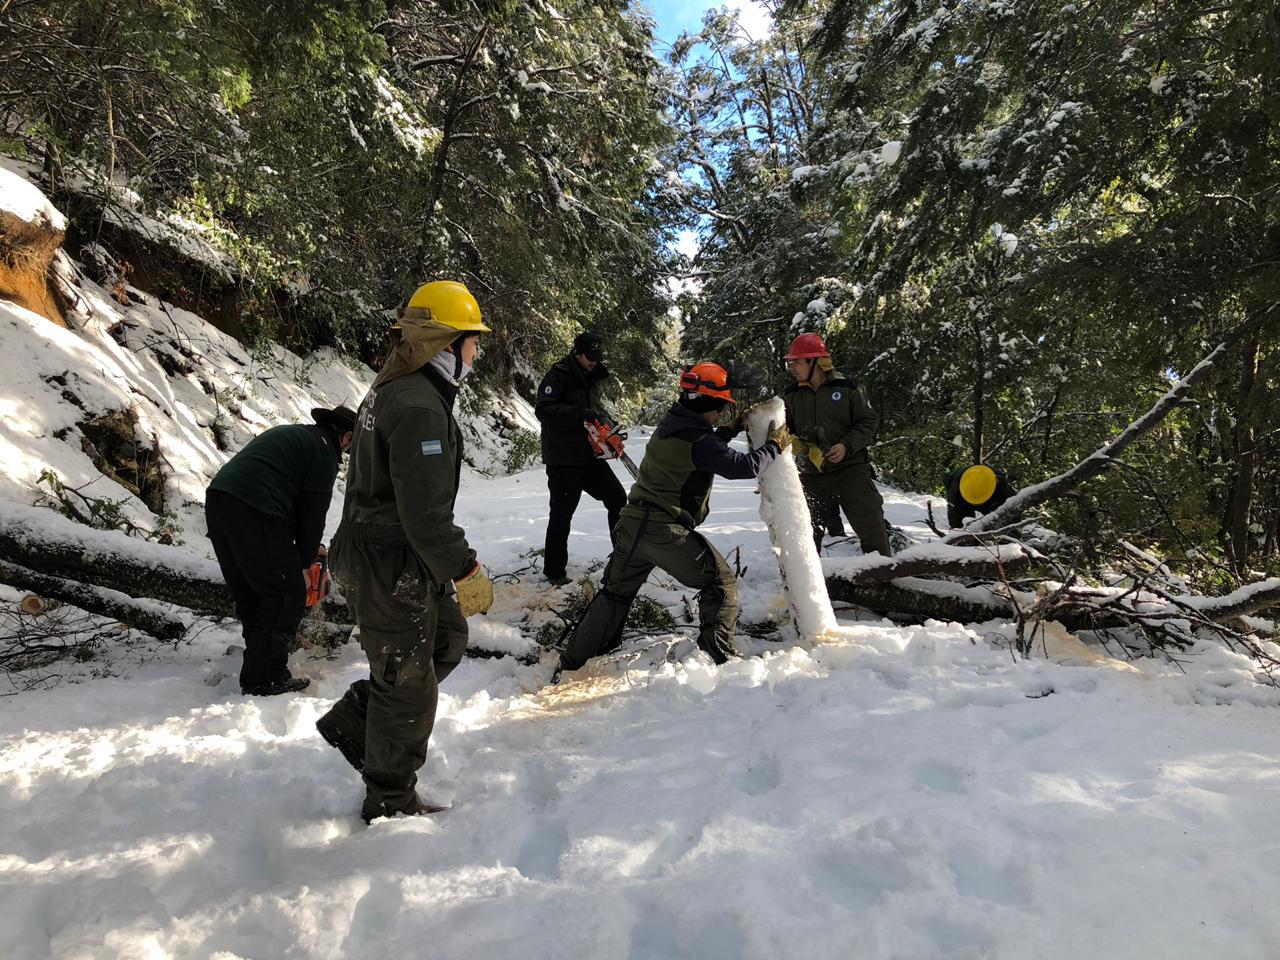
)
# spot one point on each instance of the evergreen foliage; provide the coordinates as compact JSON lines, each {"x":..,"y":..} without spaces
{"x":1015,"y":221}
{"x":339,"y":154}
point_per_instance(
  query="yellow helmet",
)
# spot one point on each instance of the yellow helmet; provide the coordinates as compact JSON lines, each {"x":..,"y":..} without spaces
{"x":977,"y":484}
{"x":450,"y":303}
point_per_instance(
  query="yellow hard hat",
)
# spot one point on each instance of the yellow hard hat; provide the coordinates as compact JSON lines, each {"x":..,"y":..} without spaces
{"x":450,"y":303}
{"x":977,"y":484}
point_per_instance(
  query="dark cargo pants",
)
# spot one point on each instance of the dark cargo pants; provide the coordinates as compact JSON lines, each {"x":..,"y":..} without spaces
{"x":852,"y":489}
{"x":413,"y":634}
{"x":641,"y":545}
{"x":260,"y":564}
{"x":566,"y":486}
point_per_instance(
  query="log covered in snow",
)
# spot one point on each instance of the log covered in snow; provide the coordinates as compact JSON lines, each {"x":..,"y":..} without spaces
{"x":146,"y":615}
{"x":786,"y":515}
{"x":45,"y":542}
{"x":996,"y":561}
{"x":917,"y":599}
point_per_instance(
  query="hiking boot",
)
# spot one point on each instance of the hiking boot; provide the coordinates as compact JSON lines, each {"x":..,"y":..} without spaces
{"x":286,"y":684}
{"x":333,"y":735}
{"x":557,"y":581}
{"x":416,"y":807}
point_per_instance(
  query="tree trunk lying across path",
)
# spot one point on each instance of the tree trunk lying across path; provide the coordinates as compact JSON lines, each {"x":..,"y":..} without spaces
{"x":914,"y":600}
{"x":936,"y":560}
{"x":43,"y":541}
{"x":1101,"y":459}
{"x":46,"y":542}
{"x":149,"y":617}
{"x":111,"y":573}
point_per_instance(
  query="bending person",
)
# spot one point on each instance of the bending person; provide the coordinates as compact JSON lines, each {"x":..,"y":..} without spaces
{"x":974,"y":490}
{"x":265,"y":512}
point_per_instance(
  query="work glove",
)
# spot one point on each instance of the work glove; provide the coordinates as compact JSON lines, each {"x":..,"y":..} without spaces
{"x":816,"y":457}
{"x":475,"y":592}
{"x":780,"y":435}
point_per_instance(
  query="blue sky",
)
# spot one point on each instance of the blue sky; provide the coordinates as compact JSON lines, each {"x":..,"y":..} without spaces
{"x":674,"y":16}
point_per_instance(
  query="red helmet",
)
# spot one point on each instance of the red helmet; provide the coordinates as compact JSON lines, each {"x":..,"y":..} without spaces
{"x":806,"y":347}
{"x":709,"y":379}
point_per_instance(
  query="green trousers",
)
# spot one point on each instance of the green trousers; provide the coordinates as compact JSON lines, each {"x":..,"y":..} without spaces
{"x":642,"y":543}
{"x":852,"y":489}
{"x":413,"y":634}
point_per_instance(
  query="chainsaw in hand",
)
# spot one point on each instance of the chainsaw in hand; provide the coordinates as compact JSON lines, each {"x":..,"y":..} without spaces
{"x":608,"y":443}
{"x":318,"y":582}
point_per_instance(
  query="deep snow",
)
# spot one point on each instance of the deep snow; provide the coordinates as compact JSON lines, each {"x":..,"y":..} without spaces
{"x":908,"y":792}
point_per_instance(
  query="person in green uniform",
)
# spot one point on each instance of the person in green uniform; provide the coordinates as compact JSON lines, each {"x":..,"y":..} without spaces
{"x":265,"y":511}
{"x":657,"y":528}
{"x":833,"y":424}
{"x":399,"y":556}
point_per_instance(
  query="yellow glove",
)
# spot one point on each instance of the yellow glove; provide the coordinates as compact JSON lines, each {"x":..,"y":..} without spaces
{"x":781,"y":436}
{"x":815,"y":456}
{"x":475,"y":592}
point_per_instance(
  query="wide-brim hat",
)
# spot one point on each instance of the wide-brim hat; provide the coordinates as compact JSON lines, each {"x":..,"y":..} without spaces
{"x":342,"y":419}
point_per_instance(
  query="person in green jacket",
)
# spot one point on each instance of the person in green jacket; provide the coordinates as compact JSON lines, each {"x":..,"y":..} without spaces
{"x":669,"y":499}
{"x":833,"y":424}
{"x":399,"y":556}
{"x":265,"y":511}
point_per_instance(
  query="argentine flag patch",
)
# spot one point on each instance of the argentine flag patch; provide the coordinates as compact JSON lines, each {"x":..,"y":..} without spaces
{"x":431,"y":447}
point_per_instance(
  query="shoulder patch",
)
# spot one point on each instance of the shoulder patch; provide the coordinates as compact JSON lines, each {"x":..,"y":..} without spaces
{"x":547,"y":389}
{"x":836,"y":395}
{"x":431,"y":448}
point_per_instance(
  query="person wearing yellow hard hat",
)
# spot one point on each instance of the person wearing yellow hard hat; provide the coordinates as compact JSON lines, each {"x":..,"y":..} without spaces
{"x":400,"y":557}
{"x":974,"y":490}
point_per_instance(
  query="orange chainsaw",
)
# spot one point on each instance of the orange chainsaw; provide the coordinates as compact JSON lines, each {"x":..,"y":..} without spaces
{"x":608,"y":443}
{"x":318,"y":582}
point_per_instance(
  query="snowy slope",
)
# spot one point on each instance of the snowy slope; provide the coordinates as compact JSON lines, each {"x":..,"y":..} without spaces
{"x":191,"y":388}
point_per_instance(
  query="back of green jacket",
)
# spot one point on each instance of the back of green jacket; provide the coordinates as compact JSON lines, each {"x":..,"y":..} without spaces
{"x":405,"y":466}
{"x":286,"y":472}
{"x":839,"y":411}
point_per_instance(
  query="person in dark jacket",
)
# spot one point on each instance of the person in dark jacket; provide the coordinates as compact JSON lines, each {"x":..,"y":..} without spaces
{"x":400,"y":557}
{"x":974,"y":490}
{"x":668,"y":501}
{"x":568,"y":396}
{"x":265,"y":511}
{"x":833,"y":424}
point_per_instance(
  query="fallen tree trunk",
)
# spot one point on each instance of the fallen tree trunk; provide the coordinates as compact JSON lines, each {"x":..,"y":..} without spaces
{"x":933,"y":559}
{"x":1102,"y":458}
{"x":915,"y":600}
{"x":150,"y":618}
{"x":46,"y":542}
{"x":99,"y":564}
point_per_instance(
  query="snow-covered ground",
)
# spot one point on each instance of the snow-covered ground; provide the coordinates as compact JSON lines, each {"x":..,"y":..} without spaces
{"x":890,"y":793}
{"x":903,"y":792}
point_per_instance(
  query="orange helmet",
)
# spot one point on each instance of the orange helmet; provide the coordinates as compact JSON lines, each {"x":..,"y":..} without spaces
{"x":807,"y":346}
{"x":708,"y":379}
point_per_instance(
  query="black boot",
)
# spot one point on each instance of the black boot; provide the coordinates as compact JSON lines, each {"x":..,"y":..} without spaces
{"x":285,"y":684}
{"x":416,"y":807}
{"x":333,"y":735}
